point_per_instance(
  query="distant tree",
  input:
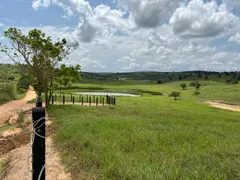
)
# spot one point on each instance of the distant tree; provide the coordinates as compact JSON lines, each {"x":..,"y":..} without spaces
{"x":219,"y":76}
{"x":228,"y":80}
{"x":159,"y":81}
{"x":196,"y":93}
{"x":206,"y":78}
{"x":199,"y":75}
{"x":183,"y":85}
{"x":197,"y":86}
{"x":175,"y":95}
{"x":192,"y":84}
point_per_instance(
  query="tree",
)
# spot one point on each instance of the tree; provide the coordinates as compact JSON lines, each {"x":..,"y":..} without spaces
{"x":175,"y":95}
{"x":196,"y":93}
{"x":42,"y":57}
{"x":67,"y":75}
{"x":197,"y":86}
{"x":183,"y":85}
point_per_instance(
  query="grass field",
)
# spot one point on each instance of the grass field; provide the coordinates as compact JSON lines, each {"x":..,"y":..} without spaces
{"x":151,"y":137}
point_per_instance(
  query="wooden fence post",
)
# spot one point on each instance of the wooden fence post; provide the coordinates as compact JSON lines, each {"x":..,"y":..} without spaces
{"x":38,"y":146}
{"x":63,"y":99}
{"x":97,"y":101}
{"x":82,"y":101}
{"x":73,"y":99}
{"x":52,"y":99}
{"x":89,"y":101}
{"x":107,"y":99}
{"x":114,"y":101}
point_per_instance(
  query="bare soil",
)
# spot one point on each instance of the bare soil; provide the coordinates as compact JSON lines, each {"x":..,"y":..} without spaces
{"x":15,"y":143}
{"x":9,"y":112}
{"x":222,"y":105}
{"x":20,"y":167}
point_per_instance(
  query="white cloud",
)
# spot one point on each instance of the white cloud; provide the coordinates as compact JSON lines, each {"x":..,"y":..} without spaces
{"x":200,"y":20}
{"x":235,"y":38}
{"x":148,"y":14}
{"x":40,"y":3}
{"x":1,"y":25}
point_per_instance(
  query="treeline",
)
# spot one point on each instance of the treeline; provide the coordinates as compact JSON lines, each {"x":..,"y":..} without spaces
{"x":161,"y":77}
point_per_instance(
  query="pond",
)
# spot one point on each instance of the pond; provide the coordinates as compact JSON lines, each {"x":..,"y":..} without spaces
{"x":106,"y":93}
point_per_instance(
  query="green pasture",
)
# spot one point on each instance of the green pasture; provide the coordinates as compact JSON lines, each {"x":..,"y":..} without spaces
{"x":152,"y":136}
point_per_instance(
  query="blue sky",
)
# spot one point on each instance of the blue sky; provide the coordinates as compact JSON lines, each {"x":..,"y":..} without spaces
{"x":130,"y":35}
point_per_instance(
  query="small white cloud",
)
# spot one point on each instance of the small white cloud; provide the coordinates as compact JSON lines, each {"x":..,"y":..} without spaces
{"x":40,"y":3}
{"x":1,"y":25}
{"x":235,"y":38}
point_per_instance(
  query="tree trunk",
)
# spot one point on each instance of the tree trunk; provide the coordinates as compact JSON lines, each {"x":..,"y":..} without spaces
{"x":60,"y":90}
{"x":46,"y":98}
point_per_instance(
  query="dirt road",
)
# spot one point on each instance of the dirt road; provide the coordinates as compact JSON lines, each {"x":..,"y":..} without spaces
{"x":9,"y":112}
{"x":224,"y":106}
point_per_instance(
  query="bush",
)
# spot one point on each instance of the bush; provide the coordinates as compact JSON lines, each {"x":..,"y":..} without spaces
{"x":8,"y":92}
{"x":24,"y":82}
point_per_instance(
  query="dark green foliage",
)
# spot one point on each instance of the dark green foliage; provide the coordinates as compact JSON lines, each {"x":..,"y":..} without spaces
{"x":183,"y":85}
{"x":196,"y":93}
{"x":24,"y":82}
{"x":175,"y":95}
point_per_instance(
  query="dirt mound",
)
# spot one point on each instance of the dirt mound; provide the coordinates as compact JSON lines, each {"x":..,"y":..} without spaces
{"x":12,"y":142}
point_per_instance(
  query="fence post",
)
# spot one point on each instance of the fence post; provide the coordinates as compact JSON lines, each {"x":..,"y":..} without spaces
{"x":114,"y":101}
{"x":107,"y":99}
{"x":38,"y":147}
{"x":89,"y":101}
{"x":82,"y":101}
{"x":73,"y":99}
{"x":52,"y":99}
{"x":97,"y":101}
{"x":63,"y":99}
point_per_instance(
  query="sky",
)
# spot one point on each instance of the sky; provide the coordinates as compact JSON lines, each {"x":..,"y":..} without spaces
{"x":135,"y":35}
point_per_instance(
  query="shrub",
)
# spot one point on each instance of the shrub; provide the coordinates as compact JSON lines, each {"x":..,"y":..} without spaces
{"x":7,"y":92}
{"x":183,"y":85}
{"x":196,"y":93}
{"x":175,"y":95}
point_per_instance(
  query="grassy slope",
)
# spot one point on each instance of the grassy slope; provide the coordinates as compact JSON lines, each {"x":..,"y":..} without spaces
{"x":151,"y":137}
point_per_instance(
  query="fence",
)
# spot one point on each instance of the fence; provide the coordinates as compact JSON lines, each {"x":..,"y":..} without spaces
{"x":83,"y":100}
